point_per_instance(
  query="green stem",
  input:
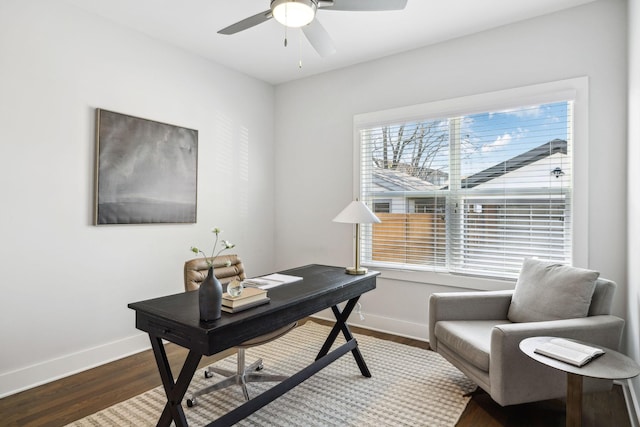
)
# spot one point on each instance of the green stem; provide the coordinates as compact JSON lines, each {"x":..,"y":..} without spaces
{"x":213,"y":250}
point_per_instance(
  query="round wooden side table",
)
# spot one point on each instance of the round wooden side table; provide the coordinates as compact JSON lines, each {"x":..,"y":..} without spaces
{"x":612,"y":365}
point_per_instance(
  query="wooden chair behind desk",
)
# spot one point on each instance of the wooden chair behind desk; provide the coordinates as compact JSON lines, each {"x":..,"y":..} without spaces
{"x":228,"y":268}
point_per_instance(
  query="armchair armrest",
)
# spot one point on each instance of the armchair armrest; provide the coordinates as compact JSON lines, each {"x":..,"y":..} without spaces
{"x":507,"y":361}
{"x":480,"y":305}
{"x":604,"y":330}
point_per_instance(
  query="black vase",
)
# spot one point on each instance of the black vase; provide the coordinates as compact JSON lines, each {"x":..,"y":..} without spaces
{"x":210,"y":297}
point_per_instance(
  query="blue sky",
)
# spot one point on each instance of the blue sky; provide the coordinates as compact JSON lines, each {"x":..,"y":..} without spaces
{"x":491,"y":138}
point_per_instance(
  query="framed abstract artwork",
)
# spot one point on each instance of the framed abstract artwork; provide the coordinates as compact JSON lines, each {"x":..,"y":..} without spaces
{"x":146,"y":171}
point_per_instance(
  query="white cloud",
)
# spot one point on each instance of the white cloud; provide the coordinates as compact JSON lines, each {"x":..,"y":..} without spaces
{"x":500,"y":142}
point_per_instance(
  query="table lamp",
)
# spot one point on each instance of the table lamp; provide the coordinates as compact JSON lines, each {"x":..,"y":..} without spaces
{"x":356,"y":213}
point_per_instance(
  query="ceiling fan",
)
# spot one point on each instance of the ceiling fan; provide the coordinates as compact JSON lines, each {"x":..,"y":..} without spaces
{"x":302,"y":14}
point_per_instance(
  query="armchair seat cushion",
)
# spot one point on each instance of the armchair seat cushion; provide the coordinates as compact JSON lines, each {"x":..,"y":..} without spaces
{"x":469,"y":339}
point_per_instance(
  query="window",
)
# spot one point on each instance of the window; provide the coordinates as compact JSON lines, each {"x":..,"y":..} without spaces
{"x":469,"y":193}
{"x":381,"y":206}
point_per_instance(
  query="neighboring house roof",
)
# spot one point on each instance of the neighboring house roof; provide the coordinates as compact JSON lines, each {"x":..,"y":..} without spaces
{"x":397,"y":180}
{"x":538,"y":153}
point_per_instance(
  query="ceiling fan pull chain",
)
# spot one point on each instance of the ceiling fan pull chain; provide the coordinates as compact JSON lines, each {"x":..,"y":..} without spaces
{"x":285,"y":36}
{"x":300,"y":49}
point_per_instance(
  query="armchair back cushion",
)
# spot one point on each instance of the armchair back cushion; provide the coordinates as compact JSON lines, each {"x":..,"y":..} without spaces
{"x":549,"y":291}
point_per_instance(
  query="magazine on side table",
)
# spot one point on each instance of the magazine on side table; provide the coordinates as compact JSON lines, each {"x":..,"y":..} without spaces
{"x":569,"y":351}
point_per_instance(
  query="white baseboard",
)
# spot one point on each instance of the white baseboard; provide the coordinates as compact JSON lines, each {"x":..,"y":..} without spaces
{"x":32,"y":376}
{"x":631,"y":400}
{"x":388,"y":325}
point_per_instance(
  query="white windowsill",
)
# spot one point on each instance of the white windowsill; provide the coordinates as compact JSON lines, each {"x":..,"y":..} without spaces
{"x":444,"y":279}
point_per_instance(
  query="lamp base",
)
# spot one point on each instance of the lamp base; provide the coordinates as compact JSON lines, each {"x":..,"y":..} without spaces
{"x":355,"y":270}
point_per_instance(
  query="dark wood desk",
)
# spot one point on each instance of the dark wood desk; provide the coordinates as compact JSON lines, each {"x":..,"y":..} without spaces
{"x":176,"y":318}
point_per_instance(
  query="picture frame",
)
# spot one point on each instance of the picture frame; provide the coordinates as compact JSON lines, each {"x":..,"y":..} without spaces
{"x":146,"y":171}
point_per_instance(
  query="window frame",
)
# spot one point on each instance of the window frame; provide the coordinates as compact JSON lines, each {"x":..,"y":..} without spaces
{"x":575,"y":89}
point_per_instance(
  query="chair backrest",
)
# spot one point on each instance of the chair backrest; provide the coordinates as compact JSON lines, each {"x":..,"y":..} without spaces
{"x":225,"y":267}
{"x":602,"y":299}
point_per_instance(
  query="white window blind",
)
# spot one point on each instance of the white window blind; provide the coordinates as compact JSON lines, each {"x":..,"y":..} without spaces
{"x":469,"y":194}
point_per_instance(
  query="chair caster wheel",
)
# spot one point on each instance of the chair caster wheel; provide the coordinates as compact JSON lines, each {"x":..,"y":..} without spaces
{"x":207,"y":374}
{"x":191,"y":402}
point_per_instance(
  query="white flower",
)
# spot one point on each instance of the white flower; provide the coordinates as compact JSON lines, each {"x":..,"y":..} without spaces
{"x":225,"y":245}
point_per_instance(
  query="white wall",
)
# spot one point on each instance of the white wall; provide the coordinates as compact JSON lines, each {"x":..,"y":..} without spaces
{"x":314,"y":120}
{"x":633,"y":300}
{"x":65,"y":284}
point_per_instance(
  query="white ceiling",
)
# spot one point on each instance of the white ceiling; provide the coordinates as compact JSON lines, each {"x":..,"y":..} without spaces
{"x":358,"y":36}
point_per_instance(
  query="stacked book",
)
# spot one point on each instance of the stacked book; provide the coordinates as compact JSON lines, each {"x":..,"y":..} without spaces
{"x":250,"y":297}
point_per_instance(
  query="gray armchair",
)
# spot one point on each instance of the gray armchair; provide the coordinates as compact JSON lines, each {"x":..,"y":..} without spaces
{"x":472,"y":330}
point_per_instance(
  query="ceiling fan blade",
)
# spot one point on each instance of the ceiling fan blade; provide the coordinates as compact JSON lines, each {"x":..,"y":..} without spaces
{"x":247,"y":23}
{"x":319,"y":38}
{"x":364,"y":6}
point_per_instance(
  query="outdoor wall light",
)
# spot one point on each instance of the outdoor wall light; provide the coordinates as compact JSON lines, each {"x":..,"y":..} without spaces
{"x":557,"y":172}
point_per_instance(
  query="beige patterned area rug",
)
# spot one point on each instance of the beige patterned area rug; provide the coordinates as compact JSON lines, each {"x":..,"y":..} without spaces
{"x":409,"y":387}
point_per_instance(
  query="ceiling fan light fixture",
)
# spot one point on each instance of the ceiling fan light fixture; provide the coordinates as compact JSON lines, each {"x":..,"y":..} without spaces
{"x":294,"y":13}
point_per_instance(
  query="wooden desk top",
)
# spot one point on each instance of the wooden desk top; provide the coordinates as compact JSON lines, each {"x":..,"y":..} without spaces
{"x":611,"y":365}
{"x":177,"y":318}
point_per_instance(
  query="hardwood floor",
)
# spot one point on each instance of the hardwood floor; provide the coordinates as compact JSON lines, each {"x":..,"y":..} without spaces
{"x":69,"y":399}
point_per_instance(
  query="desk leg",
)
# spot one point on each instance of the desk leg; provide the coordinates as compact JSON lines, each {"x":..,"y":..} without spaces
{"x":574,"y":400}
{"x":175,"y":391}
{"x":341,"y":325}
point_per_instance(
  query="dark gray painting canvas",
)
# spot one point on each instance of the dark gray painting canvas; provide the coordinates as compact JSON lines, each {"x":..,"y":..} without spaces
{"x":146,"y":171}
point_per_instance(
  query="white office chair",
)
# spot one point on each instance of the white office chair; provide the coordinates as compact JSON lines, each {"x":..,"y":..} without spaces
{"x":226,"y":269}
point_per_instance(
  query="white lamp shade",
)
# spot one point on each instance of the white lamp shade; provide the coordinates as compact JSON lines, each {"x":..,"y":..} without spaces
{"x":356,"y":213}
{"x":293,"y":13}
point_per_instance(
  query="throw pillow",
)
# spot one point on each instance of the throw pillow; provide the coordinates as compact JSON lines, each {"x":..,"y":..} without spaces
{"x":551,"y":291}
